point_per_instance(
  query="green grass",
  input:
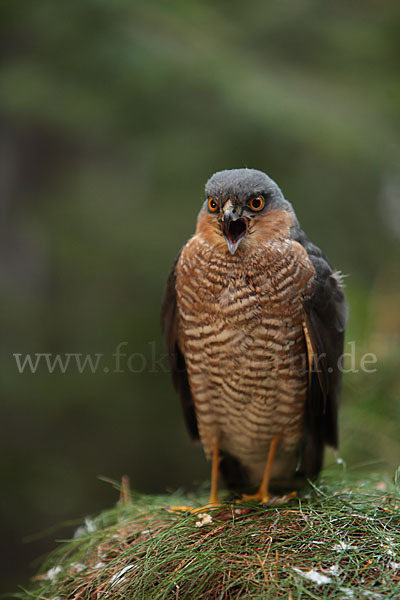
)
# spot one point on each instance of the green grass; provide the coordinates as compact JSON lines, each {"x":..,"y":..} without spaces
{"x":343,"y":529}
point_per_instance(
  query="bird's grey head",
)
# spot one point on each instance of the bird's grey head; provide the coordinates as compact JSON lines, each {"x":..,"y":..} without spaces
{"x":239,"y":198}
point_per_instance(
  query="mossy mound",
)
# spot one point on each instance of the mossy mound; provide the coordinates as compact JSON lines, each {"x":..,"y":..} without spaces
{"x":342,"y":540}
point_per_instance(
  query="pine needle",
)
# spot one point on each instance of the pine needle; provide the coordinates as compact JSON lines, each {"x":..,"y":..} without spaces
{"x":341,"y":540}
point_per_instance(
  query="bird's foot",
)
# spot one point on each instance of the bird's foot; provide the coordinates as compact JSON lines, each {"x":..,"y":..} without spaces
{"x":265,"y":499}
{"x":206,"y":507}
{"x":195,"y":510}
{"x":179,"y":508}
{"x":285,"y":498}
{"x":260,"y":497}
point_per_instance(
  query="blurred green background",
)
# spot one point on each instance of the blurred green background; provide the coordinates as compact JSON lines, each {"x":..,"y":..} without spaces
{"x":112,"y":117}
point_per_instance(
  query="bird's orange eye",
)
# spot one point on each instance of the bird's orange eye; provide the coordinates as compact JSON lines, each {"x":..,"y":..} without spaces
{"x":212,"y":205}
{"x":257,"y":203}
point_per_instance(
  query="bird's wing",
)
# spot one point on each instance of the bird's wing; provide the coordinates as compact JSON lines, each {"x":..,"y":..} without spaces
{"x":169,"y":321}
{"x":326,"y":315}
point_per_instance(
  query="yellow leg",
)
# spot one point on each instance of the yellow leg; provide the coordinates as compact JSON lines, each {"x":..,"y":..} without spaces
{"x":213,"y":501}
{"x":263,"y":491}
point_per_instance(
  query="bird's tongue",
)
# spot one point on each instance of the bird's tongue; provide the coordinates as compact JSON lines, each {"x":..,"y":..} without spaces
{"x":234,"y":232}
{"x":236,"y":229}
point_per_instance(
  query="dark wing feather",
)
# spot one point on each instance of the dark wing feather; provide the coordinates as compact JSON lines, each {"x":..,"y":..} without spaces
{"x":326,"y":315}
{"x":175,"y":355}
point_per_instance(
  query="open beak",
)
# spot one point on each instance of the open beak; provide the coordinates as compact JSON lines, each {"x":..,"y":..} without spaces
{"x":234,"y":229}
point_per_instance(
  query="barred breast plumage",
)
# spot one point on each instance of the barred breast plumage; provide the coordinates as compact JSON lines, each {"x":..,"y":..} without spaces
{"x":241,"y":326}
{"x":253,"y":317}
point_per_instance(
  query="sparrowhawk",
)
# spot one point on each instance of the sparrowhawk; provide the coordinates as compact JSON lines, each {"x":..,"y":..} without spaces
{"x":253,"y":317}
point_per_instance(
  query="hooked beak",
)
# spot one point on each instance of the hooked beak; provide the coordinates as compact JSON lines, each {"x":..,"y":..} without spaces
{"x":234,"y":229}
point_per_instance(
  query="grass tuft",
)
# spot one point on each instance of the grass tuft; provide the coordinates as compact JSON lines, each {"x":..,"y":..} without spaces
{"x":341,"y":540}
